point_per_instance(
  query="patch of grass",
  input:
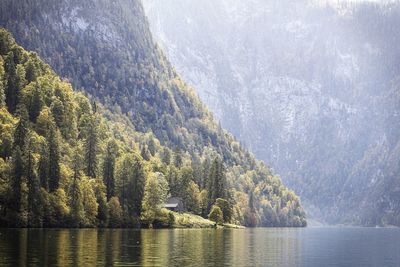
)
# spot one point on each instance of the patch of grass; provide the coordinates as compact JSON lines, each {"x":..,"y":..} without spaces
{"x":171,"y":219}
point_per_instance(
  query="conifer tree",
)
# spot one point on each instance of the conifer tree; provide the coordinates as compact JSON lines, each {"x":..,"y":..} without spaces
{"x":145,"y":153}
{"x":16,"y":182}
{"x":43,"y":166}
{"x":136,"y":185}
{"x":11,"y":90}
{"x":54,"y":159}
{"x":178,"y":161}
{"x":216,"y":181}
{"x":2,"y":83}
{"x":34,"y":203}
{"x":75,"y":192}
{"x":109,"y":168}
{"x":22,"y":127}
{"x":91,"y":146}
{"x":131,"y":180}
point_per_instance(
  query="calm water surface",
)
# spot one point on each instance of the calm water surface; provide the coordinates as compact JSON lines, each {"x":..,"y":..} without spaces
{"x":248,"y":247}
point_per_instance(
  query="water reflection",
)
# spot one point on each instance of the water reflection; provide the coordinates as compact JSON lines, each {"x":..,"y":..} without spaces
{"x":190,"y":247}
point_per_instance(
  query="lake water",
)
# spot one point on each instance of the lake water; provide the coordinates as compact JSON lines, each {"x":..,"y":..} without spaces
{"x":192,"y":247}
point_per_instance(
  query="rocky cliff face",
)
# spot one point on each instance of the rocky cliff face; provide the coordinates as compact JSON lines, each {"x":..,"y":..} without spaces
{"x":309,"y":88}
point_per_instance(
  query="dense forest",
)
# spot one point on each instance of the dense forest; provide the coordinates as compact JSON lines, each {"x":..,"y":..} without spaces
{"x":69,"y":161}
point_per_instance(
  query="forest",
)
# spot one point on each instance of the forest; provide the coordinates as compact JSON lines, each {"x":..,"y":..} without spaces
{"x":68,"y":160}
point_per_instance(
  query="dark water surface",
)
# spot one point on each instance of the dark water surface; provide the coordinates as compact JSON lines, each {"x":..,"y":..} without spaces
{"x":248,"y":247}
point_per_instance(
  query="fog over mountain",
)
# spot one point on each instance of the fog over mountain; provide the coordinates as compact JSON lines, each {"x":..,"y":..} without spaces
{"x":312,"y":89}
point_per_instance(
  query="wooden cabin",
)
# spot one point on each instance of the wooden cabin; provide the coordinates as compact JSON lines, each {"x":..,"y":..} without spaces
{"x":174,"y":204}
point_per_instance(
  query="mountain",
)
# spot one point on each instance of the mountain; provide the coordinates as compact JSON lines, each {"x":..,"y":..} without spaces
{"x":105,"y":50}
{"x":309,"y":87}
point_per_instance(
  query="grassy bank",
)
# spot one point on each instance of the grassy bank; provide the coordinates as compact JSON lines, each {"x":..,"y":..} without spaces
{"x":170,"y":219}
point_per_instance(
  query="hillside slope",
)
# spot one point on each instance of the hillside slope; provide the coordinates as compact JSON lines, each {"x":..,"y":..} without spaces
{"x":122,"y":68}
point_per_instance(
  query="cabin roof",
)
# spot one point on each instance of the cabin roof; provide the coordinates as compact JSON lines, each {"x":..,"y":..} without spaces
{"x":170,"y":205}
{"x":174,"y":200}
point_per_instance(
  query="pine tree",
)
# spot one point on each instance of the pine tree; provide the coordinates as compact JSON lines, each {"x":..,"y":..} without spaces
{"x":131,"y":180}
{"x":43,"y":168}
{"x":166,"y":156}
{"x":152,"y":146}
{"x":178,"y":161}
{"x":109,"y":168}
{"x":54,"y":159}
{"x":2,"y":84}
{"x":31,"y":71}
{"x":34,"y":203}
{"x":16,"y":182}
{"x":91,"y":147}
{"x":11,"y":89}
{"x":123,"y":173}
{"x":22,"y":127}
{"x":145,"y":153}
{"x":136,"y":185}
{"x":35,"y":105}
{"x":75,"y":192}
{"x":216,"y":181}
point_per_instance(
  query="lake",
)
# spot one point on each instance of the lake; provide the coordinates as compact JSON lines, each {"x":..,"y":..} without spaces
{"x":196,"y":247}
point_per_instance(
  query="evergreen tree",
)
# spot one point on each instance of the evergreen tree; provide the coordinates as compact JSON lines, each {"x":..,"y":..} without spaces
{"x":54,"y":159}
{"x":75,"y":192}
{"x":22,"y":128}
{"x":216,"y":215}
{"x":131,"y":179}
{"x":216,"y":181}
{"x":91,"y":146}
{"x":178,"y":160}
{"x":166,"y":156}
{"x":109,"y":168}
{"x":136,"y":185}
{"x":31,"y":70}
{"x":34,"y":199}
{"x":2,"y":83}
{"x":16,"y":182}
{"x":43,"y":168}
{"x":226,"y":208}
{"x":35,"y":104}
{"x":11,"y":89}
{"x":123,"y":173}
{"x":152,"y":146}
{"x":102,"y":211}
{"x":144,"y":152}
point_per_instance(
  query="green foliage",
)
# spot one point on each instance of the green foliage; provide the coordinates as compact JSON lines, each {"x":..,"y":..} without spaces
{"x":226,"y":208}
{"x":155,"y":195}
{"x":91,"y":145}
{"x":66,"y":162}
{"x":109,"y":167}
{"x":131,"y":177}
{"x":53,"y":159}
{"x":216,"y":215}
{"x":2,"y":83}
{"x":193,"y":198}
{"x":115,"y":211}
{"x":216,"y":182}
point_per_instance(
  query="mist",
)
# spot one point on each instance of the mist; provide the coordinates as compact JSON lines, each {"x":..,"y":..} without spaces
{"x":311,"y":87}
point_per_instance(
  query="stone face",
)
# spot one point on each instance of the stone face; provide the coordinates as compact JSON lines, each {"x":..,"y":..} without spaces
{"x":311,"y":89}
